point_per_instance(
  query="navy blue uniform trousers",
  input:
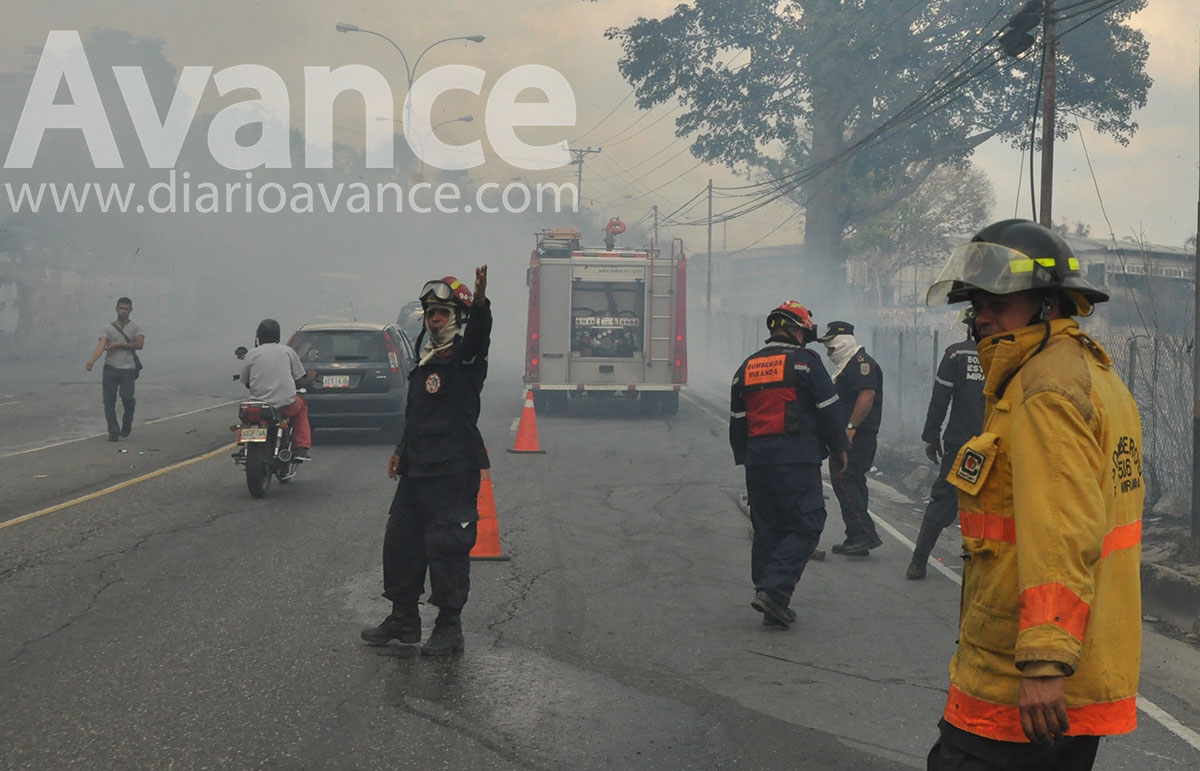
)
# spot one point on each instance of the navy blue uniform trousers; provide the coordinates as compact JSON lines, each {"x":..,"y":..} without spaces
{"x":431,"y":527}
{"x":787,"y":511}
{"x":850,"y":487}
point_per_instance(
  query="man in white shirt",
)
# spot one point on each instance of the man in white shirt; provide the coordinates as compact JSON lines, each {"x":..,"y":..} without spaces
{"x":119,"y":342}
{"x":273,"y":372}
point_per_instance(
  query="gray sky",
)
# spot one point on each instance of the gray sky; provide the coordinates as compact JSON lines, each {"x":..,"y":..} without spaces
{"x":1148,"y":188}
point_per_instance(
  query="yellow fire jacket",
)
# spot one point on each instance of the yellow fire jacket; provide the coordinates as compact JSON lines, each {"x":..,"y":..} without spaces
{"x":1050,"y":502}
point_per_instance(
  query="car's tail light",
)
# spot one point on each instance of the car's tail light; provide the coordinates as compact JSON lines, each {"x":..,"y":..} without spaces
{"x":393,"y":360}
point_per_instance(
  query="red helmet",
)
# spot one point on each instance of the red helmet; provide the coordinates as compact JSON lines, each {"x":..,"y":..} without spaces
{"x":795,"y":314}
{"x":446,"y":290}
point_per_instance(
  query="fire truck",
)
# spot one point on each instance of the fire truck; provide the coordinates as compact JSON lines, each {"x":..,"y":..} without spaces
{"x":605,"y":321}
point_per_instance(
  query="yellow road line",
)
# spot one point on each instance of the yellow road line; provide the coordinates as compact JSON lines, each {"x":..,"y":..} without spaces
{"x":114,"y":488}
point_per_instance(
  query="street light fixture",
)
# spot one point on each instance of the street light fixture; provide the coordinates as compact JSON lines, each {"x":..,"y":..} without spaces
{"x":410,"y":73}
{"x":460,"y":119}
{"x":436,"y":126}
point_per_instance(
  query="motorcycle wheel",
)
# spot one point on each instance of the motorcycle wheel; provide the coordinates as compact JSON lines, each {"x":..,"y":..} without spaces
{"x":258,"y":469}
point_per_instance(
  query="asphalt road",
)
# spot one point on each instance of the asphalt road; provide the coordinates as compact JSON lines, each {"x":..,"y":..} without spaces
{"x":174,"y":622}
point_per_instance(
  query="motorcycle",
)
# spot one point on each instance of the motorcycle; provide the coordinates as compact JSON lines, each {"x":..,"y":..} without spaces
{"x":264,"y":439}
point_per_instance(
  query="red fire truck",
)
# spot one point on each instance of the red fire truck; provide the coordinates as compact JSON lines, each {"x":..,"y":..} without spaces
{"x":605,"y":321}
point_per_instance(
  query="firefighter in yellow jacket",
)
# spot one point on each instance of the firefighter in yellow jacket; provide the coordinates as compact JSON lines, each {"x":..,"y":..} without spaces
{"x":1050,"y":502}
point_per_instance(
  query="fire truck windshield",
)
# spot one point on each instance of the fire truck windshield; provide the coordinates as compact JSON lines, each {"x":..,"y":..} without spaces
{"x":607,"y":319}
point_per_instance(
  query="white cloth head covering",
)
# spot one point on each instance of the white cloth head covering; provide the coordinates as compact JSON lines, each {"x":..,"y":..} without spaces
{"x":841,"y":349}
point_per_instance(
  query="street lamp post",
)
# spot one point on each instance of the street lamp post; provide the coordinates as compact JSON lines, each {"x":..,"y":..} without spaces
{"x":410,"y":73}
{"x":436,"y":126}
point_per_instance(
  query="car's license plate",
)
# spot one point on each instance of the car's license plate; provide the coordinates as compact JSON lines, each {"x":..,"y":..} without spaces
{"x":335,"y":381}
{"x":252,"y":435}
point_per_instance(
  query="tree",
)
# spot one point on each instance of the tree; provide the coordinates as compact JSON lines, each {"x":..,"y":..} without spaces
{"x":953,"y":202}
{"x":847,"y":106}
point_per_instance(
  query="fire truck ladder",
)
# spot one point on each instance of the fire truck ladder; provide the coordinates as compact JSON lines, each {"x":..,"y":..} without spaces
{"x":659,"y":310}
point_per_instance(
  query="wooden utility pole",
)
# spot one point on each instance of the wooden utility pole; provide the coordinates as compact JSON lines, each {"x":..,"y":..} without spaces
{"x":577,"y":160}
{"x":1196,"y":379}
{"x":1049,"y":72}
{"x":654,"y":208}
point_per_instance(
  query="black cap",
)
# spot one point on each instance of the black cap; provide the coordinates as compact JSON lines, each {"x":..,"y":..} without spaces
{"x":836,"y":328}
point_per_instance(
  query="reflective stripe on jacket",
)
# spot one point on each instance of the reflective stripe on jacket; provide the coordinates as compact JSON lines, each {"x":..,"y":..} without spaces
{"x":1050,"y":499}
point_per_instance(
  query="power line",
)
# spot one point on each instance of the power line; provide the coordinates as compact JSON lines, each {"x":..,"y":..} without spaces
{"x":1113,"y":236}
{"x":655,"y":122}
{"x":606,"y":117}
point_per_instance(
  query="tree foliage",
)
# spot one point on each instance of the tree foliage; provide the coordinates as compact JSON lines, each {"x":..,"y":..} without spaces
{"x":954,"y":201}
{"x":851,"y":104}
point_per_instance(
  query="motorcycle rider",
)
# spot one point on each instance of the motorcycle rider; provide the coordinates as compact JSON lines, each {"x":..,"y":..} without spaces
{"x":432,"y":521}
{"x":273,"y":372}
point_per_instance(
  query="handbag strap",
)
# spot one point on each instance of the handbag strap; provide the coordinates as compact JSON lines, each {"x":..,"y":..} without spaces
{"x":121,"y":332}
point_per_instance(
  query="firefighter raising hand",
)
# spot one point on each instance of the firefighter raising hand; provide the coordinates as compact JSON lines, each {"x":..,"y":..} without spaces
{"x":480,"y":285}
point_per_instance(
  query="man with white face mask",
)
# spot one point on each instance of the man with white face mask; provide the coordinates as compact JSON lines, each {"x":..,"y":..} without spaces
{"x":859,"y":384}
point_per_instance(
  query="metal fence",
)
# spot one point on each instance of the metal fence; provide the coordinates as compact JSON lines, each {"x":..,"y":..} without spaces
{"x":1157,"y":370}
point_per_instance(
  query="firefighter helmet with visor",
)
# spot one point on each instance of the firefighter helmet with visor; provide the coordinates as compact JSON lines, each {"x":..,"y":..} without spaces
{"x":1013,"y":256}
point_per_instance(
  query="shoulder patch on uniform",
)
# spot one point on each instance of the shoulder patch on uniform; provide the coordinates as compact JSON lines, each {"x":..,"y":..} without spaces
{"x":864,"y":368}
{"x":433,"y":383}
{"x":970,"y":466}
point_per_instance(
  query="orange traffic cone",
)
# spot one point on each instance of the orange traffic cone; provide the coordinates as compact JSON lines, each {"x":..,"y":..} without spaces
{"x":527,"y":438}
{"x":487,"y":534}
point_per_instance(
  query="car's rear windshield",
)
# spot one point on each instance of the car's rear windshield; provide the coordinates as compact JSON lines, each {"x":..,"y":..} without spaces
{"x":340,"y":345}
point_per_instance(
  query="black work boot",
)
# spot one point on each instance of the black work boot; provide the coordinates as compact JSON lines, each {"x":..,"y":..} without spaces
{"x":447,"y":637}
{"x":404,"y":626}
{"x":926,"y":540}
{"x":765,"y":603}
{"x":850,"y":548}
{"x":770,"y":624}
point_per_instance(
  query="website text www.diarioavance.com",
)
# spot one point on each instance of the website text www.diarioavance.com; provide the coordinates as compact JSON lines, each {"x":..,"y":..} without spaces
{"x":179,"y":194}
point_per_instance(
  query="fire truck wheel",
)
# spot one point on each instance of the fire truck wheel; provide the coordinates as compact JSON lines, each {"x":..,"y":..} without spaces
{"x":649,"y":402}
{"x":668,"y":403}
{"x":550,"y":401}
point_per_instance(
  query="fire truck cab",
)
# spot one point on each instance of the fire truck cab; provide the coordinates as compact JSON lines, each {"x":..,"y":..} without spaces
{"x":605,"y":321}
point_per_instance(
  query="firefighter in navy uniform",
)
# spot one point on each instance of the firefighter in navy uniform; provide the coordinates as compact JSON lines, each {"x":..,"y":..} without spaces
{"x":859,"y":384}
{"x":432,"y":521}
{"x":784,"y":419}
{"x":957,"y":387}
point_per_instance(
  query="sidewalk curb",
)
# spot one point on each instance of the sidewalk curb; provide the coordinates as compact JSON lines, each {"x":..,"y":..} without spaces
{"x":1172,"y":596}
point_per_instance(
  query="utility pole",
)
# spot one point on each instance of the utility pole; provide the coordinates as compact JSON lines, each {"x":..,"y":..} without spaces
{"x":1196,"y":378}
{"x":577,"y":160}
{"x":708,"y":284}
{"x":1049,"y":71}
{"x":654,"y":209}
